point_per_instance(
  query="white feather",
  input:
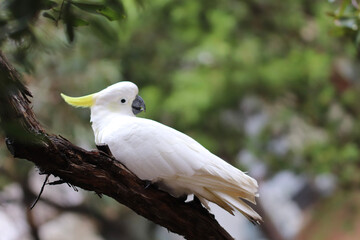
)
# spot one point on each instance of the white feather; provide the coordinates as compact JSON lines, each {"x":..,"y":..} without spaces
{"x":164,"y":155}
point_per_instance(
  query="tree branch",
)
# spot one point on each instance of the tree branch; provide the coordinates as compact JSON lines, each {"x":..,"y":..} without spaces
{"x":92,"y":170}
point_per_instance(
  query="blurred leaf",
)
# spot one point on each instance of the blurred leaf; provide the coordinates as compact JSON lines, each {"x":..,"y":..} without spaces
{"x":350,"y":153}
{"x":331,"y":14}
{"x":3,"y":22}
{"x":70,"y":31}
{"x":48,"y":15}
{"x":326,"y":95}
{"x":357,"y":39}
{"x":110,"y":14}
{"x":78,"y":22}
{"x":103,"y":31}
{"x":347,"y":23}
{"x":98,"y":8}
{"x":69,"y":21}
{"x":89,"y":7}
{"x":48,"y":5}
{"x":344,"y":5}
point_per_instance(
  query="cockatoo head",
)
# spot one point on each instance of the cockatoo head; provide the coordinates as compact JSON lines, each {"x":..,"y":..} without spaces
{"x":121,"y":97}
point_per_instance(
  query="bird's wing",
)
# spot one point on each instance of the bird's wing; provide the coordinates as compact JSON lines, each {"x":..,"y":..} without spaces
{"x":152,"y":150}
{"x":162,"y":154}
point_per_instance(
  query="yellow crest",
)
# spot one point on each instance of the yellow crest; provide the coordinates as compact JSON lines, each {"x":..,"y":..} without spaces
{"x":85,"y":101}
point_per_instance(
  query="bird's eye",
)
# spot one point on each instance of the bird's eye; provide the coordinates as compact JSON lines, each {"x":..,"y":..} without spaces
{"x":123,"y":100}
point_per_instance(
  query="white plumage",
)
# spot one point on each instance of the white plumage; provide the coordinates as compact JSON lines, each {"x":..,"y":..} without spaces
{"x":158,"y":153}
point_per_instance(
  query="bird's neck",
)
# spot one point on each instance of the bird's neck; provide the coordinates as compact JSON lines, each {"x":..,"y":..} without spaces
{"x":101,"y":119}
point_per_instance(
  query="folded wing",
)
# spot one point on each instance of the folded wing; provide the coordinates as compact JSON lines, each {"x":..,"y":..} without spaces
{"x":181,"y":166}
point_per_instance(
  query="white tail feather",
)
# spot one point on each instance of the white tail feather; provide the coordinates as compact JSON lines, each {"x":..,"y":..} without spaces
{"x":228,"y":194}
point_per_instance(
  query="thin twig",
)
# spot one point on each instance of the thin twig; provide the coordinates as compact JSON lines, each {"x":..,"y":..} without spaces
{"x":41,"y":191}
{"x":61,"y":9}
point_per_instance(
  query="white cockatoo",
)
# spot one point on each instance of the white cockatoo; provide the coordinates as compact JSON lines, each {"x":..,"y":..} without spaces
{"x":154,"y":152}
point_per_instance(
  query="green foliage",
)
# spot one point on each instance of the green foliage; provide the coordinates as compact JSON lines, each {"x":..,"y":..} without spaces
{"x":196,"y":63}
{"x":347,"y":21}
{"x":19,"y":15}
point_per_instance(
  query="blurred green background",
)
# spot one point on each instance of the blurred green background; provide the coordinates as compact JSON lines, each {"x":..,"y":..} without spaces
{"x":270,"y":86}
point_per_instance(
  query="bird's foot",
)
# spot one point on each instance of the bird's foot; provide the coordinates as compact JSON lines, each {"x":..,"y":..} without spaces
{"x":104,"y":148}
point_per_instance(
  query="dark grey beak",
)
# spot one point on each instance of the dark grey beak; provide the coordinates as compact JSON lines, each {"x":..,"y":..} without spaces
{"x":138,"y":105}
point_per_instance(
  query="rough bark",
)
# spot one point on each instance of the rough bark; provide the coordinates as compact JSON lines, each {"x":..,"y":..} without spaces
{"x":92,"y":170}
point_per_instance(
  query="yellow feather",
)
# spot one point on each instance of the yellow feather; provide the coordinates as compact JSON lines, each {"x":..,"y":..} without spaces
{"x":85,"y":101}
